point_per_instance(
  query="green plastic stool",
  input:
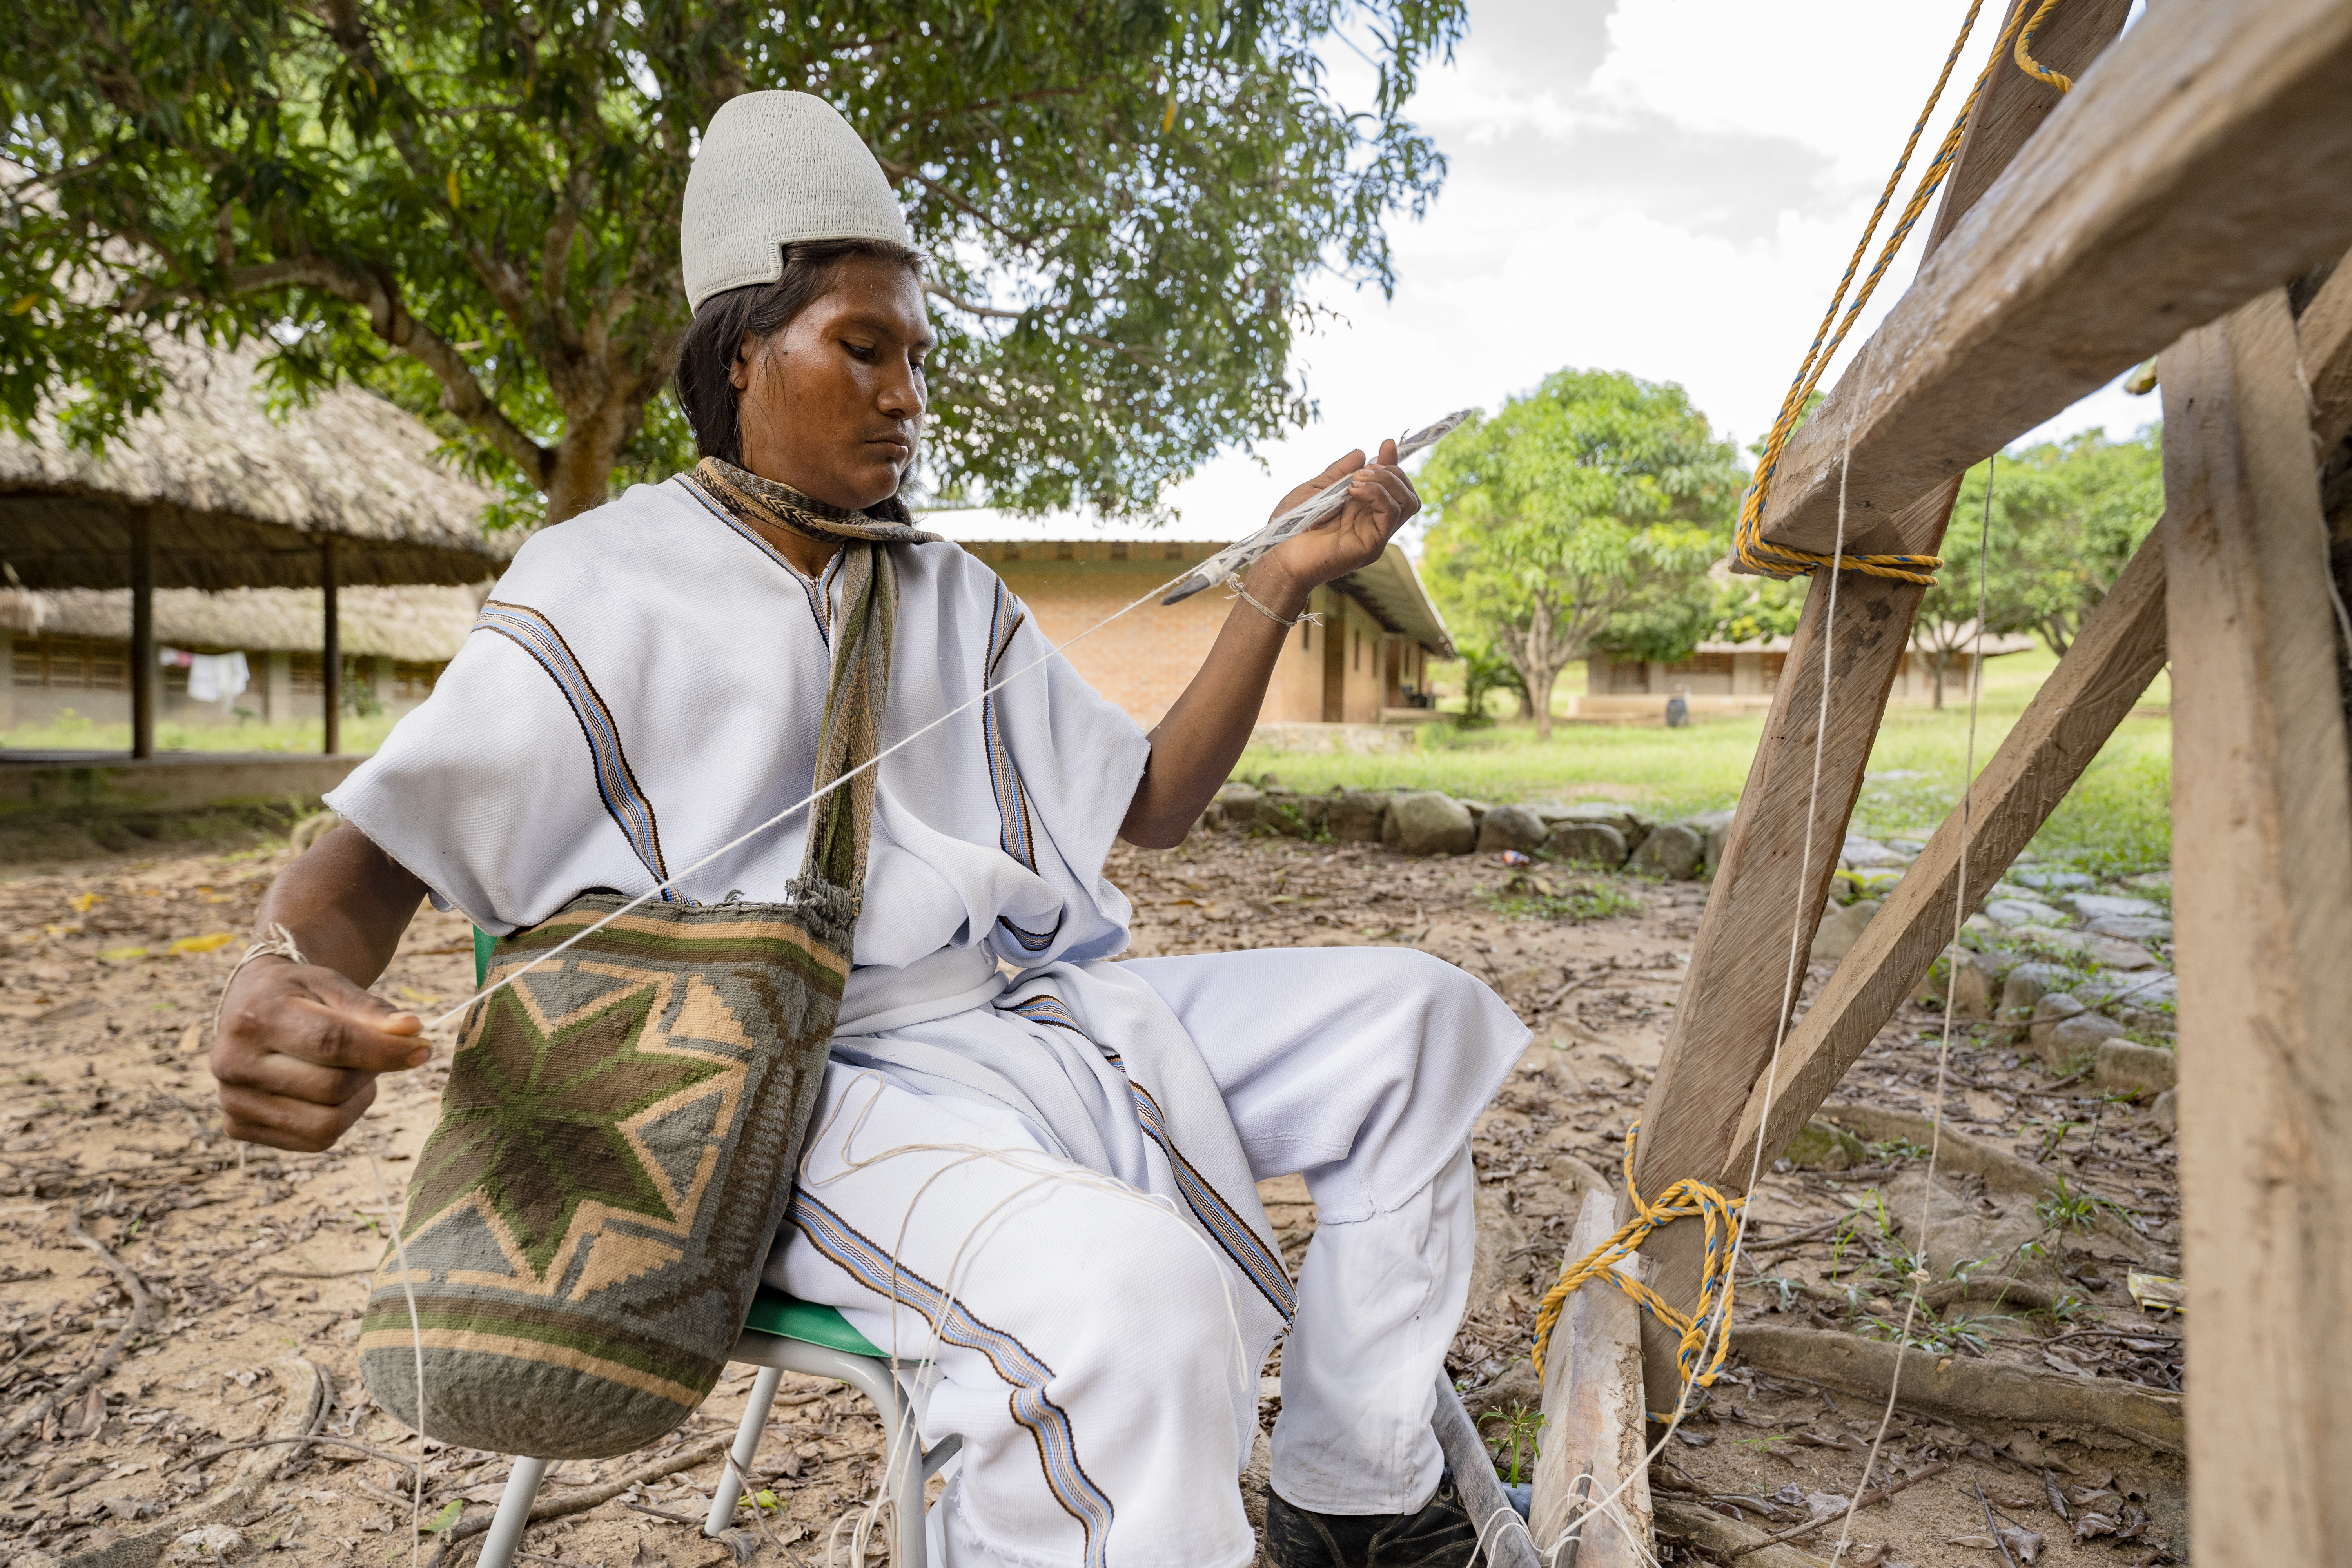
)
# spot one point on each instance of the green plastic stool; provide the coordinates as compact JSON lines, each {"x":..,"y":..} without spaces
{"x":780,"y":1334}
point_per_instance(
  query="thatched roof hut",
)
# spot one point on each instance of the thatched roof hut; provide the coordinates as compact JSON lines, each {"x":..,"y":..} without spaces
{"x":237,"y":499}
{"x":421,"y":625}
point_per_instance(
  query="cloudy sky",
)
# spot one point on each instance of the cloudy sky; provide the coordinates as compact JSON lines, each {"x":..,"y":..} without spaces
{"x":1668,"y":187}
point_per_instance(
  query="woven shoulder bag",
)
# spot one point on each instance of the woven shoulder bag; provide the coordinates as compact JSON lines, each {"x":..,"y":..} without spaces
{"x":616,"y":1145}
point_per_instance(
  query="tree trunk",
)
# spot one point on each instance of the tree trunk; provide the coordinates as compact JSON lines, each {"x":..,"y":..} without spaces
{"x":1526,"y":705}
{"x":1938,"y":662}
{"x":1542,"y":698}
{"x":585,"y":459}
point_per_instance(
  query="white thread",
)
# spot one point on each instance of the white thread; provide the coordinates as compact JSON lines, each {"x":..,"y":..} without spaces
{"x":1944,"y":1049}
{"x":417,"y":1343}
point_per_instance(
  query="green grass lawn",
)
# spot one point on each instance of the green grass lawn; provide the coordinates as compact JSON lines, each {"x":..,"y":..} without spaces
{"x":2116,"y":820}
{"x":78,"y":734}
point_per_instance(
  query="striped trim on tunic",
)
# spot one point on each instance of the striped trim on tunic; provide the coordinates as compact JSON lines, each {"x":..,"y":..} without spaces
{"x":1218,"y":1217}
{"x":953,"y":1322}
{"x":817,"y":589}
{"x":1017,"y":835}
{"x":616,"y":784}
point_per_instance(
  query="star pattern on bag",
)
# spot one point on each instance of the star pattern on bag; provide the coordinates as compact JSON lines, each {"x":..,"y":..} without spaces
{"x":531,"y":1121}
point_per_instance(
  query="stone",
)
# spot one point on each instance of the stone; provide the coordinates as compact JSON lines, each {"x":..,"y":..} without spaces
{"x":1240,"y":804}
{"x":1512,"y":827}
{"x":2141,"y":1069}
{"x":2052,"y":1009}
{"x":2132,"y":928}
{"x":1840,"y":929}
{"x":1477,"y":809}
{"x":2147,"y":988}
{"x":1391,"y":828}
{"x":1819,"y":1146}
{"x":2074,"y":1042}
{"x":1354,"y":816}
{"x":1716,"y":825}
{"x":2165,"y":1113}
{"x":2091,"y":906}
{"x":1971,"y":988}
{"x":2051,"y":881}
{"x":1861,"y":852}
{"x":2024,"y":985}
{"x":1587,"y":843}
{"x":2151,"y":882}
{"x":2114,"y":953}
{"x":1911,"y":847}
{"x":2019,"y":912}
{"x":1290,"y":816}
{"x":1429,"y":823}
{"x":2050,"y":939}
{"x":1676,"y":850}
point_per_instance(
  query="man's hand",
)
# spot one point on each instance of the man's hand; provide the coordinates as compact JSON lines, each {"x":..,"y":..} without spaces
{"x":300,"y":1045}
{"x":1381,"y":499}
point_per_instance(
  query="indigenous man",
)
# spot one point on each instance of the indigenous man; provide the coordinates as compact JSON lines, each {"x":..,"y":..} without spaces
{"x":1030,"y":1166}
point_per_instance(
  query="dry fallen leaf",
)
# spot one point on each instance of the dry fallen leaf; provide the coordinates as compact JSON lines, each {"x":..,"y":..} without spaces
{"x":2025,"y":1546}
{"x":1982,"y":1542}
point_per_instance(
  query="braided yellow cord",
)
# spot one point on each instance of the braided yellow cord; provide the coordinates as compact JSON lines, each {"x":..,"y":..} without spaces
{"x":1748,"y":543}
{"x":1687,"y":1197}
{"x":2025,"y":60}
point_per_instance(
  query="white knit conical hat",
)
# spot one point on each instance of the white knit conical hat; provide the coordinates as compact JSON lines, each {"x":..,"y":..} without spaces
{"x":775,"y":169}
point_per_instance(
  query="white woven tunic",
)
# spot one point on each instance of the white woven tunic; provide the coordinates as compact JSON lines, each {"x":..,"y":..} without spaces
{"x":645,"y":684}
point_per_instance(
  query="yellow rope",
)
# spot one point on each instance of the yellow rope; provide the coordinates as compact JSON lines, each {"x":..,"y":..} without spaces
{"x":2025,"y":60}
{"x":1687,"y":1197}
{"x":1748,"y":543}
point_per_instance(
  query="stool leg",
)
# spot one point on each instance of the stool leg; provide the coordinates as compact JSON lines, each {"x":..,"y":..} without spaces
{"x":514,"y":1513}
{"x":730,"y":1489}
{"x":903,"y":1465}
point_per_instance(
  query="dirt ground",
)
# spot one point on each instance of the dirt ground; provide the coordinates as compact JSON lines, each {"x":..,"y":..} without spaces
{"x":113,"y":961}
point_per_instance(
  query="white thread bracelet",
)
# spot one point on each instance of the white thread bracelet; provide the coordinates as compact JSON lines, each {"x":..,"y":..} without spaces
{"x":277,"y":943}
{"x":1309,"y":617}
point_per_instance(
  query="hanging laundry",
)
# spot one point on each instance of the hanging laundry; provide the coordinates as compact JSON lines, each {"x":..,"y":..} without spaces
{"x":217,"y":677}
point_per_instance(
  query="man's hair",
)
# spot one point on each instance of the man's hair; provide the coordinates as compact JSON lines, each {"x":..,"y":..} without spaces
{"x":706,"y":356}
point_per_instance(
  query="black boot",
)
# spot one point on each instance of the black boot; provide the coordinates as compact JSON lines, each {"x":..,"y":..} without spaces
{"x":1440,"y":1536}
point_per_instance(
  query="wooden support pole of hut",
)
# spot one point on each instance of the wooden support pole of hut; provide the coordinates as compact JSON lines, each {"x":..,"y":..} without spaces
{"x":1730,"y":1007}
{"x":330,"y":655}
{"x":2261,"y":808}
{"x":142,"y":634}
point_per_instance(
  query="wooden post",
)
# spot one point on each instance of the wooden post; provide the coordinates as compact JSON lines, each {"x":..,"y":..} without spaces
{"x":1730,"y":1005}
{"x":2119,"y":651}
{"x":331,"y":658}
{"x":1590,"y":1443}
{"x":142,"y":634}
{"x":2262,"y":814}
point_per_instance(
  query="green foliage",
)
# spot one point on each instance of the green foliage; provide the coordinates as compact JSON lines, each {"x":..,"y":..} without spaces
{"x":1533,"y":896}
{"x":2066,"y":517}
{"x":474,"y":209}
{"x":1485,"y":672}
{"x":1597,"y":494}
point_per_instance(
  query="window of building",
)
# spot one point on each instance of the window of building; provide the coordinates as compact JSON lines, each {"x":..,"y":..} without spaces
{"x":1703,"y":664}
{"x":71,"y":663}
{"x":413,"y":682}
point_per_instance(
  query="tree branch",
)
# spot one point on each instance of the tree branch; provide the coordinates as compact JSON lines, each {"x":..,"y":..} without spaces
{"x":461,"y":392}
{"x":1143,"y":357}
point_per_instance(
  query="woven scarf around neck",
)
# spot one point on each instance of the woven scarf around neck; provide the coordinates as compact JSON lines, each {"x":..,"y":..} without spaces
{"x":755,"y":500}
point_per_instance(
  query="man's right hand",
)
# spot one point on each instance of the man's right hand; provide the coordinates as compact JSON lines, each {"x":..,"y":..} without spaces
{"x":300,"y":1045}
{"x":298,"y":1050}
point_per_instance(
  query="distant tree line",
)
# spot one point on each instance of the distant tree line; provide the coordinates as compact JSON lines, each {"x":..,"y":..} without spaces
{"x":1595,"y":514}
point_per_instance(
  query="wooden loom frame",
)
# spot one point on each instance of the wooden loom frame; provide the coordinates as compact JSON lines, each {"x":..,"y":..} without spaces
{"x":2164,"y":205}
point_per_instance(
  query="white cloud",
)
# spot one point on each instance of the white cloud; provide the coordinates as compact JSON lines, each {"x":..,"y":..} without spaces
{"x":1668,"y":187}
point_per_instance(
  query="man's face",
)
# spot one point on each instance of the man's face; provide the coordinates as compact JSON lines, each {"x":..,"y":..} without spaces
{"x":832,"y":405}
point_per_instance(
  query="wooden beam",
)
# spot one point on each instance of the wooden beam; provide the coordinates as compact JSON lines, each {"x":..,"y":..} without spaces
{"x":2205,"y":158}
{"x":2324,"y":335}
{"x":1590,"y":1442}
{"x":330,"y":653}
{"x":2262,"y":809}
{"x":1500,"y":1531}
{"x":2014,"y":105}
{"x":142,"y":634}
{"x":1731,"y":1005}
{"x":2120,"y":651}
